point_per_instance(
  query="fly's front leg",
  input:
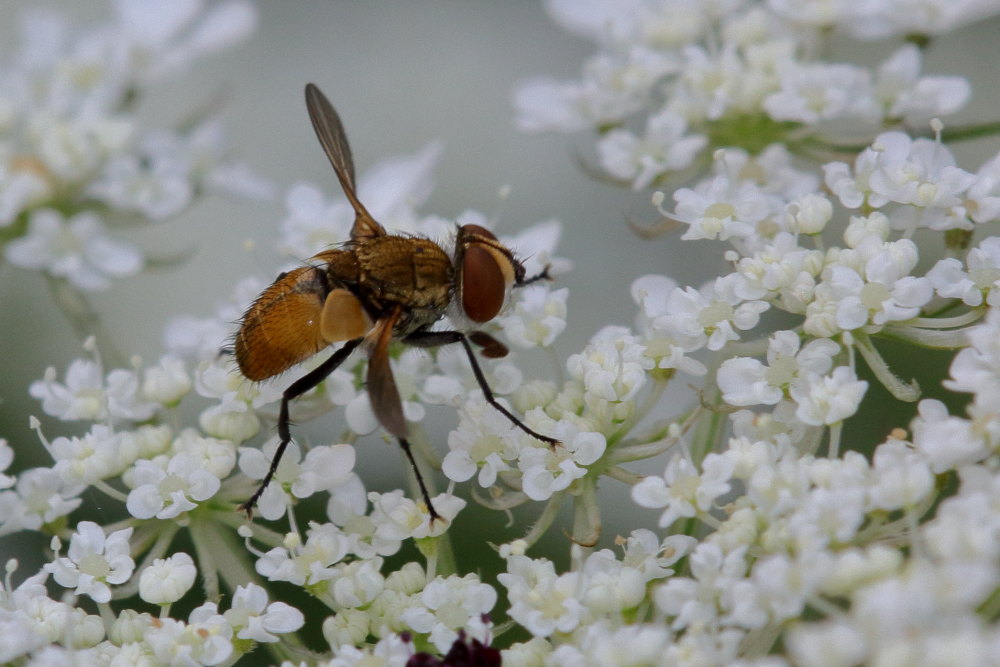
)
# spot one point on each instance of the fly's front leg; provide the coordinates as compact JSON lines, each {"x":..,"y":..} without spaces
{"x":439,"y":338}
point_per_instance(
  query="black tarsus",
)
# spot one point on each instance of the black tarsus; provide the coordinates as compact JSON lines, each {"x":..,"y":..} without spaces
{"x":440,"y":338}
{"x":404,"y":443}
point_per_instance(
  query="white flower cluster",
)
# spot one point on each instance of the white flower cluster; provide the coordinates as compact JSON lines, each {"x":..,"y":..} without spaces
{"x":193,"y":478}
{"x":765,"y":545}
{"x":673,"y":78}
{"x":56,"y":632}
{"x":76,"y":160}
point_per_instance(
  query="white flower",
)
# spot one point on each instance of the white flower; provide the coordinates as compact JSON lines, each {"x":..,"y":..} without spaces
{"x":665,"y":345}
{"x":143,"y":184}
{"x":524,"y":654}
{"x":613,"y":86}
{"x":99,"y":454}
{"x":311,"y":223}
{"x":693,"y":601}
{"x":358,"y":583}
{"x":397,"y":517}
{"x":541,"y":601}
{"x":809,"y":214}
{"x":713,"y":316}
{"x":746,"y":381}
{"x":86,"y":396}
{"x":40,"y":496}
{"x":901,"y":477}
{"x":546,"y":470}
{"x":76,"y":249}
{"x":682,"y":491}
{"x":392,"y":651}
{"x":535,"y":247}
{"x":309,"y":563}
{"x":915,"y":99}
{"x":167,"y":382}
{"x":94,"y":561}
{"x":448,"y":604}
{"x":834,"y":643}
{"x":171,"y":41}
{"x":538,"y":316}
{"x":322,"y":469}
{"x":976,"y":369}
{"x":828,"y":399}
{"x":166,"y":580}
{"x":206,"y":639}
{"x":6,"y":458}
{"x":983,"y":196}
{"x":810,"y":93}
{"x":348,"y":627}
{"x":483,"y":439}
{"x":723,"y":209}
{"x":602,"y":643}
{"x":921,"y":172}
{"x":645,"y":552}
{"x":868,"y":284}
{"x":663,"y":148}
{"x":612,"y":587}
{"x":22,"y":185}
{"x":169,"y":488}
{"x":251,"y":617}
{"x":947,"y":442}
{"x":216,"y":456}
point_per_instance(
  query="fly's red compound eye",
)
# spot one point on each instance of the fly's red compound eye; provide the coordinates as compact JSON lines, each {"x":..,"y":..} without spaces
{"x":486,"y":273}
{"x":483,"y":285}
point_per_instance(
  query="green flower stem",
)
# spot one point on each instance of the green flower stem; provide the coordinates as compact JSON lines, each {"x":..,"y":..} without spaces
{"x":545,"y":519}
{"x":895,"y":386}
{"x":637,"y":452}
{"x":948,"y":322}
{"x":833,"y":451}
{"x":587,"y":514}
{"x":640,"y":412}
{"x":110,"y":491}
{"x":85,"y":320}
{"x":235,"y":520}
{"x":952,"y":339}
{"x":623,"y":475}
{"x":220,"y":552}
{"x":969,"y":132}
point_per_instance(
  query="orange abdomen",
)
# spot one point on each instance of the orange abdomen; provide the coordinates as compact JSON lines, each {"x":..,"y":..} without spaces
{"x":282,"y":327}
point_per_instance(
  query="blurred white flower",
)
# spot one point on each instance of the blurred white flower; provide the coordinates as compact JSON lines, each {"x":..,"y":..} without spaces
{"x":77,"y":249}
{"x":39,"y":496}
{"x":828,"y":399}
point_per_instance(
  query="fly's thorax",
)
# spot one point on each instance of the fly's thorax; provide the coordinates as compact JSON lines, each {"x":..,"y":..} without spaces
{"x":341,"y":265}
{"x":413,"y":272}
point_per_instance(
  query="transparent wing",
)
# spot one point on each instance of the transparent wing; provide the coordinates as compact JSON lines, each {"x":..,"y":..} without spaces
{"x":333,"y":139}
